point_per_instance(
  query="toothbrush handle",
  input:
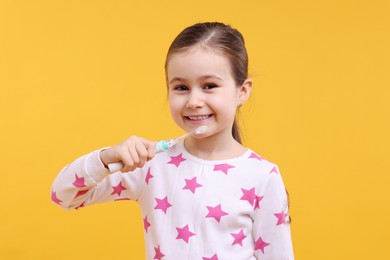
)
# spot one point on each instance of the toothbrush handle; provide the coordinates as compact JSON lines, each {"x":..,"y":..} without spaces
{"x":161,"y":146}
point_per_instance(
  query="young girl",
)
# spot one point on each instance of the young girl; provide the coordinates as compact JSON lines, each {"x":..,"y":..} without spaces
{"x":208,"y":197}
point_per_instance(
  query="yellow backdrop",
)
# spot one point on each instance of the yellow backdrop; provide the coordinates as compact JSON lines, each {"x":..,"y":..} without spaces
{"x":79,"y":75}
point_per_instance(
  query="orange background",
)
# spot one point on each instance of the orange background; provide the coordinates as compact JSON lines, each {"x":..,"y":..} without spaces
{"x":79,"y":75}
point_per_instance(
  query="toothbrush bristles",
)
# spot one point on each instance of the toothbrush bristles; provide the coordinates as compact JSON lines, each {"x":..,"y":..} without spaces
{"x":200,"y":130}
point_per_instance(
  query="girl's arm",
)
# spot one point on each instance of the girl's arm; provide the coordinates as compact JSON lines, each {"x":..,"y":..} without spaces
{"x":271,"y":227}
{"x":87,"y":180}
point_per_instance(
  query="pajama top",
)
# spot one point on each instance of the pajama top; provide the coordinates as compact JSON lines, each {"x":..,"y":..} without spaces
{"x":195,"y":209}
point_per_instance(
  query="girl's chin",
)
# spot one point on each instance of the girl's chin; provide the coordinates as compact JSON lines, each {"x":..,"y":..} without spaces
{"x":199,"y":136}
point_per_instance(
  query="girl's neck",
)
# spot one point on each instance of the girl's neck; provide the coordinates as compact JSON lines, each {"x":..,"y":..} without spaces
{"x":214,"y":147}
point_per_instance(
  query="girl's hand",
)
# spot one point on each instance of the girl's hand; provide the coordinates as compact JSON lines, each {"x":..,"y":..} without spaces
{"x":133,"y":152}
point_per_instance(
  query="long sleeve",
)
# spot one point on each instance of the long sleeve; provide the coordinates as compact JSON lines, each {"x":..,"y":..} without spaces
{"x":271,"y":228}
{"x":86,"y":181}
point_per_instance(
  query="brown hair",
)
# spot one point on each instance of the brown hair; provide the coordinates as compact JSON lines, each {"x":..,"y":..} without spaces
{"x":220,"y":37}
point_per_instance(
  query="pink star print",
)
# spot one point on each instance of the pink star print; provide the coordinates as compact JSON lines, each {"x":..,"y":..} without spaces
{"x":281,"y":218}
{"x":238,"y":237}
{"x":255,"y":156}
{"x":163,"y":204}
{"x":274,"y":170}
{"x":216,"y":212}
{"x":184,"y":233}
{"x":118,"y":189}
{"x":176,"y":160}
{"x":146,"y":224}
{"x":191,"y":185}
{"x":81,"y":193}
{"x":249,"y":195}
{"x":260,"y":244}
{"x":257,"y":202}
{"x":148,"y":176}
{"x":223,"y":167}
{"x":54,"y":197}
{"x":158,"y":254}
{"x":214,"y":257}
{"x":79,"y":182}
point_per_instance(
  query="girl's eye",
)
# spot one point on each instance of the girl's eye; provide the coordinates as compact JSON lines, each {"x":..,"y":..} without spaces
{"x":181,"y":88}
{"x":210,"y":86}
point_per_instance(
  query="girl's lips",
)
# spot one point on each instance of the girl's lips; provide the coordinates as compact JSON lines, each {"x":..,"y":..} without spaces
{"x":197,"y":118}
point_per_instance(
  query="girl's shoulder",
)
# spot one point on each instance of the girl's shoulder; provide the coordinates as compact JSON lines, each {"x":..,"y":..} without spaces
{"x":259,"y":163}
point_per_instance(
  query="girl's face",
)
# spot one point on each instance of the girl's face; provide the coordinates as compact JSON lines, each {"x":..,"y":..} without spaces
{"x":202,"y":91}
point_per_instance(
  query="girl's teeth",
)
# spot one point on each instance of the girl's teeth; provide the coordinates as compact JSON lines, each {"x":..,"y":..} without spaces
{"x":198,"y":117}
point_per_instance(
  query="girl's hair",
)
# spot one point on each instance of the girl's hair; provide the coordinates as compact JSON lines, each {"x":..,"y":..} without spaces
{"x":222,"y":38}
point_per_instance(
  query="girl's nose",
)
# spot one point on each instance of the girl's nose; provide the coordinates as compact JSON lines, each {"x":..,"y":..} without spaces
{"x":195,"y":101}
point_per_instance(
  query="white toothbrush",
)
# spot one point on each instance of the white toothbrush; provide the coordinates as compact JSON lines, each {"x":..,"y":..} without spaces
{"x":161,"y":146}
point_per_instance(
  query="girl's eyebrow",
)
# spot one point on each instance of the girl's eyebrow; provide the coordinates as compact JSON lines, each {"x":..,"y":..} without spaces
{"x":202,"y":78}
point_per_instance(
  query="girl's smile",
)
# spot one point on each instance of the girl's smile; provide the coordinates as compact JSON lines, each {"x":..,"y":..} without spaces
{"x":198,"y":118}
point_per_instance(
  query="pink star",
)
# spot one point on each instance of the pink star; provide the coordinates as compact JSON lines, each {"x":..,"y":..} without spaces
{"x":223,"y":167}
{"x":79,"y":182}
{"x":191,"y":185}
{"x":249,"y":195}
{"x":281,"y":218}
{"x":214,"y":257}
{"x":146,"y":224}
{"x":176,"y":160}
{"x":260,"y":244}
{"x":80,"y":206}
{"x":184,"y":233}
{"x":158,"y":255}
{"x":256,"y":156}
{"x":216,"y":212}
{"x":54,"y":197}
{"x":163,"y":204}
{"x":148,"y":176}
{"x":81,"y":193}
{"x":274,"y":170}
{"x":118,"y":189}
{"x":238,"y":237}
{"x":257,"y":201}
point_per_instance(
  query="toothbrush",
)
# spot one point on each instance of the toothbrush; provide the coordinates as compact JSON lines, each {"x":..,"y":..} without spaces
{"x":161,"y":146}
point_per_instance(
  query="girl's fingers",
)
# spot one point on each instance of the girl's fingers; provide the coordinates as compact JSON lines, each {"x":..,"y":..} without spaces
{"x":125,"y":157}
{"x":151,"y":149}
{"x":133,"y":152}
{"x":142,"y":154}
{"x":134,"y":157}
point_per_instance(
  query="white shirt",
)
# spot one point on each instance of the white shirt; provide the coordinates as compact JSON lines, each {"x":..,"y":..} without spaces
{"x":192,"y":208}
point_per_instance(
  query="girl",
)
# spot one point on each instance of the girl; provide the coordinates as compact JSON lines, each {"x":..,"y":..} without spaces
{"x":208,"y":197}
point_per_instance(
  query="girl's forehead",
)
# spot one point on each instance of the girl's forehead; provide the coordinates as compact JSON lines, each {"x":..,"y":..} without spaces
{"x":197,"y":61}
{"x":196,"y":50}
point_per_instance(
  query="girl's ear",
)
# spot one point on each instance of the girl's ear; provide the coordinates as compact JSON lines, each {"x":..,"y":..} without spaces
{"x":245,"y":91}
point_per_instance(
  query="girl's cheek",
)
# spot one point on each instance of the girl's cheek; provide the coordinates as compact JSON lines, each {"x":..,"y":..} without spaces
{"x":220,"y":101}
{"x":176,"y":106}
